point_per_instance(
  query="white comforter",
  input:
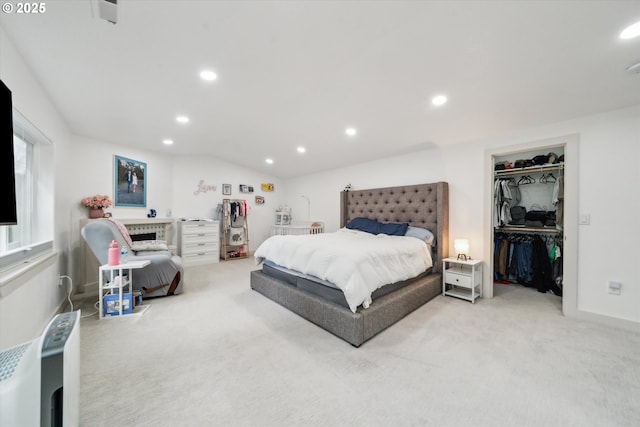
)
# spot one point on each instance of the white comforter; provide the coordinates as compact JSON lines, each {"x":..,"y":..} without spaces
{"x":355,"y":261}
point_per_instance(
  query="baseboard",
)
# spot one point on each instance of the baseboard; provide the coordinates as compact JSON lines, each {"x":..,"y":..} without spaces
{"x":615,"y":322}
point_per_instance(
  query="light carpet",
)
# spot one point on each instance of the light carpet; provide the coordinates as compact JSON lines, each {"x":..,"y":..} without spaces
{"x":221,"y":354}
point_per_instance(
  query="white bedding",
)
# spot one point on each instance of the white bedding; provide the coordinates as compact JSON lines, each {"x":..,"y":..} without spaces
{"x":355,"y":261}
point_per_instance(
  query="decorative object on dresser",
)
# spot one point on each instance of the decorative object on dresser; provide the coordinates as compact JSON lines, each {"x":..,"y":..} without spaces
{"x":163,"y":276}
{"x":423,"y":210}
{"x":235,"y":229}
{"x":199,"y":241}
{"x":96,"y":204}
{"x":462,"y":278}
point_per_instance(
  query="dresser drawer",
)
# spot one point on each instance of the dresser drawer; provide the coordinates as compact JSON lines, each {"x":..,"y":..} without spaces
{"x":199,"y":231}
{"x":188,"y":239}
{"x":458,"y":279}
{"x":204,"y":257}
{"x":195,"y":247}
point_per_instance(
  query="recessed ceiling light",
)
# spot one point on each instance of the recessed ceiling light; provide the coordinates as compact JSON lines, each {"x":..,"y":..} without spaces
{"x":301,"y":150}
{"x":351,"y":131}
{"x":631,"y":31}
{"x":439,"y":100}
{"x":167,"y":141}
{"x":270,"y":161}
{"x":208,"y":75}
{"x":182,"y":119}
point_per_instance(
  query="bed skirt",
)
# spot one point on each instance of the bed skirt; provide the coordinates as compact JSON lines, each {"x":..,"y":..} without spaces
{"x":358,"y":327}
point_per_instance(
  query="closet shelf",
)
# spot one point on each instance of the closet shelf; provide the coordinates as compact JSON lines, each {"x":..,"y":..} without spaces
{"x":529,"y":229}
{"x":520,"y":171}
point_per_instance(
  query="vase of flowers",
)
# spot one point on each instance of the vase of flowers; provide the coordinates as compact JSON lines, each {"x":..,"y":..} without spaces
{"x":96,"y":204}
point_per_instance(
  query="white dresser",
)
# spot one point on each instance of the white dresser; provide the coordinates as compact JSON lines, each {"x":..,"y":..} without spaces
{"x":199,"y":242}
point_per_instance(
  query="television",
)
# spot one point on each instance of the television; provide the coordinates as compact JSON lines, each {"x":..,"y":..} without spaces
{"x":8,"y":214}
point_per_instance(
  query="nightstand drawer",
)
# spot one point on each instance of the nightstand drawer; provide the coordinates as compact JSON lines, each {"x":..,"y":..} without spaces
{"x":454,"y":278}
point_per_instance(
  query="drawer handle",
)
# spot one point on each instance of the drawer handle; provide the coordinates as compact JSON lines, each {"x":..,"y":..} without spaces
{"x":201,"y":244}
{"x":201,"y":234}
{"x":457,"y":280}
{"x":201,"y":253}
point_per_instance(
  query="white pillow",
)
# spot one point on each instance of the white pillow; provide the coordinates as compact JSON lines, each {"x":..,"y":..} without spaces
{"x":422,"y":234}
{"x":149,"y":245}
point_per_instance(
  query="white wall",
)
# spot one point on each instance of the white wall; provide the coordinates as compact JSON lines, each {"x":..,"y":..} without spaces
{"x":26,"y":311}
{"x":609,"y":149}
{"x":189,"y":171}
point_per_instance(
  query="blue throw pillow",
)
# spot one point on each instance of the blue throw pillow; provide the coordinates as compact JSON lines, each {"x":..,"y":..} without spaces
{"x":422,"y":234}
{"x":375,"y":227}
{"x":394,"y":229}
{"x":364,"y":224}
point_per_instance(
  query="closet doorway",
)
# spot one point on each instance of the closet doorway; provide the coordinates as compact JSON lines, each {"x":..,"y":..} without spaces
{"x":532,"y":226}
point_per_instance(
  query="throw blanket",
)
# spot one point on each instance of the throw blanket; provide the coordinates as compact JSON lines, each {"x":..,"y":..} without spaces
{"x":356,"y":262}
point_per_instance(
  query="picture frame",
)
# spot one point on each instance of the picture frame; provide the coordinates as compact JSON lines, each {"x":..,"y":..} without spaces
{"x":259,"y":200}
{"x":267,"y":187}
{"x":226,"y":189}
{"x":246,"y":188}
{"x":129,"y":182}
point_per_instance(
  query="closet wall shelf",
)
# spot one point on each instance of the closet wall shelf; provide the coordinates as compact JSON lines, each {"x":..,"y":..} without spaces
{"x":529,"y":229}
{"x":530,"y":169}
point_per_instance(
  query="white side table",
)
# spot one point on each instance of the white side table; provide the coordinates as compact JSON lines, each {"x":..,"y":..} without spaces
{"x":111,"y":286}
{"x":462,"y":278}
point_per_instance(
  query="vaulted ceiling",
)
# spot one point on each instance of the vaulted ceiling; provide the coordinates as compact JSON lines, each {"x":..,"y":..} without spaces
{"x":298,"y":73}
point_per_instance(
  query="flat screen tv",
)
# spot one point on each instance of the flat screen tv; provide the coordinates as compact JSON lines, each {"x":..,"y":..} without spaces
{"x":8,"y":214}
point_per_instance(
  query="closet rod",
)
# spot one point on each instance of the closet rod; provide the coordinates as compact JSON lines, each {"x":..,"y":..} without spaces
{"x":520,"y":171}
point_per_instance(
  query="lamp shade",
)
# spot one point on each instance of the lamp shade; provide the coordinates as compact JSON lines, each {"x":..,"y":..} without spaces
{"x":461,"y":246}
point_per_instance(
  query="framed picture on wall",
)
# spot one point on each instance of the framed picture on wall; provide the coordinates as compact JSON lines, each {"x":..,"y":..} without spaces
{"x":226,"y":189}
{"x":129,"y":182}
{"x":259,"y":200}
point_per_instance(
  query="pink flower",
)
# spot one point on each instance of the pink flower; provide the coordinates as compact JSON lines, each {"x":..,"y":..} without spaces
{"x":97,"y":202}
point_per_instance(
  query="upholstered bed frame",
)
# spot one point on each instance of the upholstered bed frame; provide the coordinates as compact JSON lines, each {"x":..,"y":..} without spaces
{"x":423,"y":205}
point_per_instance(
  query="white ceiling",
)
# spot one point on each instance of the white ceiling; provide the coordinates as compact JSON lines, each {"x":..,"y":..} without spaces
{"x":297,"y":73}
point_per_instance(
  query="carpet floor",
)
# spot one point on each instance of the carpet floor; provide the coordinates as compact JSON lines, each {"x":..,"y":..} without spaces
{"x":221,"y":354}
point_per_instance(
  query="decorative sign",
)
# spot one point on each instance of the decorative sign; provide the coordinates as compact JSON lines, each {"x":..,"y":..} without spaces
{"x":202,"y":188}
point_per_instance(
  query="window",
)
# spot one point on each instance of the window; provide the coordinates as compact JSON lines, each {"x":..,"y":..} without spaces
{"x":33,"y":235}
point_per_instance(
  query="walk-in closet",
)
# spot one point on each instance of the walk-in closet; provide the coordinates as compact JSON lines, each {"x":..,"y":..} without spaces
{"x":528,"y":219}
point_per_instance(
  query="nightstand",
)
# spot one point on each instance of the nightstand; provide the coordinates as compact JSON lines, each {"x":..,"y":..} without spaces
{"x":462,"y":279}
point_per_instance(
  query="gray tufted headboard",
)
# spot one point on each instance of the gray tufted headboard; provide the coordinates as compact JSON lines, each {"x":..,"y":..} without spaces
{"x":422,"y":205}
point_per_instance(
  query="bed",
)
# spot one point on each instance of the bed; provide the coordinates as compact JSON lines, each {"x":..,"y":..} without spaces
{"x":425,"y":206}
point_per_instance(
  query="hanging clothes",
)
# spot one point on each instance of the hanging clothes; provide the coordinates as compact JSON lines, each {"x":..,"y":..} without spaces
{"x":506,"y":195}
{"x":526,"y":259}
